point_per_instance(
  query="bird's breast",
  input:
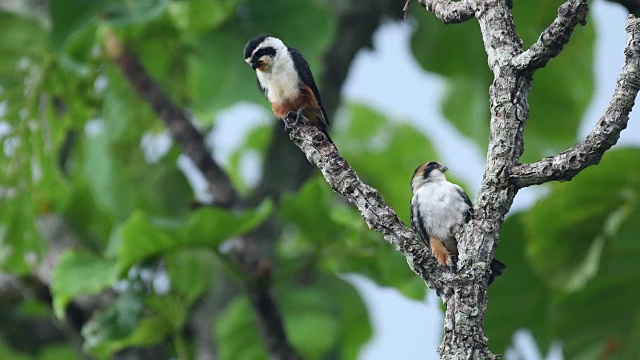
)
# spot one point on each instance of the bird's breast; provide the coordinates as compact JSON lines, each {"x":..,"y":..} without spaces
{"x":440,"y":208}
{"x":281,"y":85}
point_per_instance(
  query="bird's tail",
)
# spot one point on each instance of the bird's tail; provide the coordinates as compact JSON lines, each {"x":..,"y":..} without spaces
{"x":496,"y":267}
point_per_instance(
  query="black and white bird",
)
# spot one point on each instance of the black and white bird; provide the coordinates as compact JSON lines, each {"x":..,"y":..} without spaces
{"x":437,"y":207}
{"x":286,"y":80}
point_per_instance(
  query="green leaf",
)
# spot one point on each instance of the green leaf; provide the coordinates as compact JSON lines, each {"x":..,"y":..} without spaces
{"x":89,"y":222}
{"x":199,"y":15}
{"x":568,"y":231}
{"x":19,"y":238}
{"x":21,"y":39}
{"x":307,"y":209}
{"x":117,"y":322}
{"x":384,"y":153}
{"x":56,"y":352}
{"x":113,"y":164}
{"x":127,"y":12}
{"x":140,"y":238}
{"x":320,"y":218}
{"x":237,"y":334}
{"x":211,"y":226}
{"x":121,"y":326}
{"x":191,"y":272}
{"x":309,"y":321}
{"x":6,"y":352}
{"x":456,"y":52}
{"x":594,"y":313}
{"x":472,"y":119}
{"x":519,"y":299}
{"x":80,"y":273}
{"x":345,"y":307}
{"x":325,"y":317}
{"x":217,"y":76}
{"x":70,"y":16}
{"x":256,"y":143}
{"x":171,"y":309}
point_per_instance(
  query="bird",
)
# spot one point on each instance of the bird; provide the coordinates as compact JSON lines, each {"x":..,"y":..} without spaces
{"x":437,"y":207}
{"x":286,"y":80}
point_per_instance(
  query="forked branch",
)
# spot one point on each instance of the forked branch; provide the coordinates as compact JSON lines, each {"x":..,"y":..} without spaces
{"x":553,"y":38}
{"x":605,"y":134}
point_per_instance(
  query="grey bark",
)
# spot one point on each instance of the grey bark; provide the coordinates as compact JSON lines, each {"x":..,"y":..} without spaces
{"x":604,"y":135}
{"x":464,"y":291}
{"x":284,"y":170}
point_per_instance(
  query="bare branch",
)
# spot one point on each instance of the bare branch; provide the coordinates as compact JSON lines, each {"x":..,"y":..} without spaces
{"x":450,"y":12}
{"x":378,"y":215}
{"x":257,"y":285}
{"x":183,"y":132}
{"x":181,"y":128}
{"x":605,"y":134}
{"x":553,"y":38}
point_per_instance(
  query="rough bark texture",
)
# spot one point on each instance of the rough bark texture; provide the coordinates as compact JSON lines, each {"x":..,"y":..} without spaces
{"x":553,"y":38}
{"x":379,"y":216}
{"x":605,"y":134}
{"x":284,"y":171}
{"x":450,"y":12}
{"x":464,"y":290}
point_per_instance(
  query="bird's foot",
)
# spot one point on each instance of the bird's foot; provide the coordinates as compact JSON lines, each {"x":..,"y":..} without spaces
{"x":292,"y":119}
{"x":453,"y":263}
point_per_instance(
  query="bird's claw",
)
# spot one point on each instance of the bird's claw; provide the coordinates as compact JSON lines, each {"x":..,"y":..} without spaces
{"x":292,"y":119}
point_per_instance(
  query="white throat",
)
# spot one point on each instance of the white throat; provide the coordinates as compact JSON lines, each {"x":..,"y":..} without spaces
{"x":281,"y":80}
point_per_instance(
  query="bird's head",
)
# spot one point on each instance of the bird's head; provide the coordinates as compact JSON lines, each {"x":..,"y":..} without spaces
{"x":261,"y":52}
{"x":427,"y":172}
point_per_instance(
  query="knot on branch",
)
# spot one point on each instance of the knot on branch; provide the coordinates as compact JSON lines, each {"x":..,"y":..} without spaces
{"x":450,"y":12}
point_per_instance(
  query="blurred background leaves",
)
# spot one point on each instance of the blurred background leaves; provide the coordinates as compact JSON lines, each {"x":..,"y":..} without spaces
{"x":72,"y":133}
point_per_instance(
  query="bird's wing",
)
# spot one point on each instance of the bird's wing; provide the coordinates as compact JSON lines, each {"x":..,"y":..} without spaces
{"x":417,"y":223}
{"x":302,"y":67}
{"x":465,"y":198}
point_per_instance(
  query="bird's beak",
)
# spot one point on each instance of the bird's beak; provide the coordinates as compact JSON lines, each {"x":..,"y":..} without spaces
{"x":255,"y":65}
{"x":443,"y":168}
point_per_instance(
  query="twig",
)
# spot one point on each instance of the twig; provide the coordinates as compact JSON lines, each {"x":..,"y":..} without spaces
{"x":192,"y":142}
{"x":269,"y":319}
{"x":405,"y":9}
{"x":553,"y":38}
{"x":450,"y":12}
{"x":179,"y":125}
{"x":378,"y":215}
{"x":605,"y":134}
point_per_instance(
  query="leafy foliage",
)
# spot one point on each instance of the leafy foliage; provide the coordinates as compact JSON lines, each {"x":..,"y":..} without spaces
{"x":71,"y":131}
{"x":579,"y":288}
{"x":462,"y":61}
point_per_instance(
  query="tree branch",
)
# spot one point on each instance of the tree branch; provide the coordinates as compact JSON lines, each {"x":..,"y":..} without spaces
{"x":378,"y":215}
{"x":258,"y":285}
{"x":179,"y":125}
{"x":464,"y":318}
{"x":184,"y":133}
{"x":553,"y":38}
{"x":605,"y":134}
{"x":450,"y":12}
